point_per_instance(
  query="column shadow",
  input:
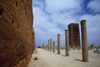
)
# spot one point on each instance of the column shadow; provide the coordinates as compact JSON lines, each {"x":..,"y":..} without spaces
{"x":64,"y":56}
{"x":79,"y":60}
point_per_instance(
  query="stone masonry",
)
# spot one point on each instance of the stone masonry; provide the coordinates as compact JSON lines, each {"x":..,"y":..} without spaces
{"x":74,"y":35}
{"x":53,"y":46}
{"x":67,"y":42}
{"x":50,"y":44}
{"x":58,"y":43}
{"x":16,"y":21}
{"x":33,"y":40}
{"x":84,"y":41}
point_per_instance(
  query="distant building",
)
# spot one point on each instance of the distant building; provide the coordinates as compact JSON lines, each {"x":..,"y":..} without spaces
{"x":74,"y":35}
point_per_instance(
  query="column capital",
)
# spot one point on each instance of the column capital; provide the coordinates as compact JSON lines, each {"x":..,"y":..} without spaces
{"x":83,"y":20}
{"x":58,"y":34}
{"x":66,"y":29}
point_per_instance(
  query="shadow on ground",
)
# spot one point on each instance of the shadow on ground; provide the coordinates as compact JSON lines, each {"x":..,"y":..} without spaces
{"x":78,"y":60}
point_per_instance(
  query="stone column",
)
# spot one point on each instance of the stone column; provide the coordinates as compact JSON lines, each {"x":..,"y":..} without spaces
{"x":47,"y":47}
{"x":58,"y":43}
{"x":43,"y":46}
{"x":67,"y":42}
{"x":50,"y":44}
{"x":53,"y":46}
{"x":84,"y":41}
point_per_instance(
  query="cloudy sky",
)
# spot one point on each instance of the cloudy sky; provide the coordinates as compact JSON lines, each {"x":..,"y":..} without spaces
{"x":52,"y":17}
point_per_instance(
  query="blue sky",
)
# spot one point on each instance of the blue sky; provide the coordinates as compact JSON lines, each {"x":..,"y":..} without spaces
{"x":52,"y":17}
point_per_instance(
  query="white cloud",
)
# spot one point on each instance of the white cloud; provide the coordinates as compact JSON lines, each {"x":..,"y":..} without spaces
{"x":43,"y":27}
{"x":62,"y":13}
{"x":63,"y":19}
{"x":94,"y":5}
{"x":57,"y":5}
{"x":41,"y":20}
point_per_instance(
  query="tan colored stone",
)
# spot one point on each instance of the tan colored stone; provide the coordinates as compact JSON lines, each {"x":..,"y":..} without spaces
{"x":47,"y":47}
{"x":16,"y":21}
{"x":43,"y":46}
{"x":67,"y":41}
{"x":74,"y":34}
{"x":47,"y":59}
{"x":84,"y":41}
{"x":33,"y":40}
{"x":53,"y":46}
{"x":58,"y":43}
{"x":50,"y":44}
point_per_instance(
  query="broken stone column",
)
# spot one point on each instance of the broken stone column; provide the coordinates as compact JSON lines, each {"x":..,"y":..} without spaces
{"x":50,"y":44}
{"x":53,"y":46}
{"x":67,"y":42}
{"x":43,"y":46}
{"x":46,"y":47}
{"x":58,"y":43}
{"x":84,"y":41}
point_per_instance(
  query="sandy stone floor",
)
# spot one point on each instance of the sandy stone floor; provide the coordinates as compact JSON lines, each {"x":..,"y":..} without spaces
{"x":50,"y":59}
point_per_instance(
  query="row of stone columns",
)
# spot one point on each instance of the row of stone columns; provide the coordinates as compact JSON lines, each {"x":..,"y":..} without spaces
{"x":50,"y":48}
{"x":67,"y":47}
{"x":58,"y":48}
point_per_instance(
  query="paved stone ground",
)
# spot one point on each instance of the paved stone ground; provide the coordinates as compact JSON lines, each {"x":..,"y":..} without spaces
{"x":50,"y":59}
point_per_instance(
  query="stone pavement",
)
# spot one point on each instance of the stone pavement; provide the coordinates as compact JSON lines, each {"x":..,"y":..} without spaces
{"x":50,"y":59}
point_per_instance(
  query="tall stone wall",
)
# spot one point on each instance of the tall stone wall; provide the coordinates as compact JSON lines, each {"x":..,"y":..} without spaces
{"x":16,"y":20}
{"x":33,"y":40}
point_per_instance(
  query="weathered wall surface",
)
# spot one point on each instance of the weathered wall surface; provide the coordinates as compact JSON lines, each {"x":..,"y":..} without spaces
{"x":33,"y":40}
{"x":74,"y":35}
{"x":15,"y":32}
